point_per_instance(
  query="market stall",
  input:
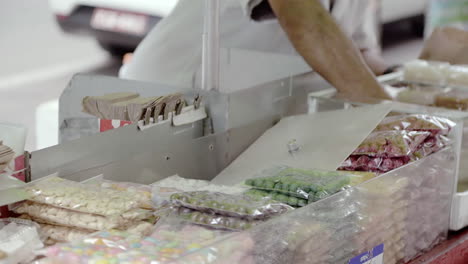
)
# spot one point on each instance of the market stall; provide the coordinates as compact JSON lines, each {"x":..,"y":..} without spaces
{"x":399,"y":215}
{"x":255,"y":170}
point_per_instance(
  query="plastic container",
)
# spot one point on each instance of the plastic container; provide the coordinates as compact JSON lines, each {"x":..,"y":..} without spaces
{"x":407,"y":210}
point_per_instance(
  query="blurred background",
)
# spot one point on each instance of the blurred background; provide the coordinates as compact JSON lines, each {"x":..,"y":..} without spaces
{"x":44,"y":43}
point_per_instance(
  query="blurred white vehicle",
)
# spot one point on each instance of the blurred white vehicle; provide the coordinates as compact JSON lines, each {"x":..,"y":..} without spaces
{"x":118,"y":25}
{"x":396,"y":10}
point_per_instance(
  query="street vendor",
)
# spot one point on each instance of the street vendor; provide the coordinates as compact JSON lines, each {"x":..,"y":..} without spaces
{"x":171,"y":53}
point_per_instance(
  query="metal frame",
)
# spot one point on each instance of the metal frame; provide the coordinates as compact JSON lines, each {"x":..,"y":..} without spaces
{"x":127,"y":153}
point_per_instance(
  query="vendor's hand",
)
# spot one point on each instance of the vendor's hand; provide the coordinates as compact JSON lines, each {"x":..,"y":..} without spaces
{"x":375,"y":61}
{"x":447,"y":44}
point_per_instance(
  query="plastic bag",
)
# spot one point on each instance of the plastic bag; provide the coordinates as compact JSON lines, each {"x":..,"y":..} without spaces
{"x":63,"y":233}
{"x":457,"y":75}
{"x":391,"y":144}
{"x":139,"y":191}
{"x":163,"y":189}
{"x":375,"y":164}
{"x":18,"y":240}
{"x":214,"y":220}
{"x":280,"y":197}
{"x":433,"y":124}
{"x":167,"y":243}
{"x":241,"y":206}
{"x":312,"y":185}
{"x":426,"y":71}
{"x":81,"y":197}
{"x":54,"y":215}
{"x":457,"y":100}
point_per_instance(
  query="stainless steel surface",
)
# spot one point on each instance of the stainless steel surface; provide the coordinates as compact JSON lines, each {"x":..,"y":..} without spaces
{"x":129,"y":154}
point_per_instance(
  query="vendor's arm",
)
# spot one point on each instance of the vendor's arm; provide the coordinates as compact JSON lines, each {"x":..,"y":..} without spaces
{"x":318,"y":38}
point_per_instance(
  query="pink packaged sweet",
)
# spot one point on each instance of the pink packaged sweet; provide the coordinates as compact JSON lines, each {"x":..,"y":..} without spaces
{"x":391,"y":144}
{"x":433,"y":124}
{"x":374,"y":164}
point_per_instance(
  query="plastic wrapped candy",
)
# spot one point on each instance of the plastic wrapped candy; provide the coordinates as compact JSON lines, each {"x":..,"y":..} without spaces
{"x":312,"y":185}
{"x":139,"y":191}
{"x":426,"y":72}
{"x":80,"y":197}
{"x":166,"y":244}
{"x":457,"y":75}
{"x":457,"y":100}
{"x":280,"y":197}
{"x":375,"y":164}
{"x":59,"y":216}
{"x":63,"y":233}
{"x":433,"y":124}
{"x":391,"y":144}
{"x":214,"y":220}
{"x":242,"y":206}
{"x":163,"y":189}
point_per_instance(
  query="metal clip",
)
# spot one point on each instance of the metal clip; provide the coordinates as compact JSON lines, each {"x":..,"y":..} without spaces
{"x":197,"y":101}
{"x":293,"y":147}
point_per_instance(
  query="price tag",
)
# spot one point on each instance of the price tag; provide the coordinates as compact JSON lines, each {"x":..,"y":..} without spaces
{"x":374,"y":256}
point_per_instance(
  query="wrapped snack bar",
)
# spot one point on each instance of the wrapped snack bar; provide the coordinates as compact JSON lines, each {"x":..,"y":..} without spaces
{"x":162,"y":190}
{"x":70,"y":218}
{"x":391,"y":144}
{"x":457,"y":75}
{"x":80,"y":197}
{"x":214,"y":220}
{"x":140,"y":191}
{"x":167,"y":243}
{"x":433,"y":124}
{"x":241,"y":206}
{"x":426,"y":71}
{"x":311,"y":185}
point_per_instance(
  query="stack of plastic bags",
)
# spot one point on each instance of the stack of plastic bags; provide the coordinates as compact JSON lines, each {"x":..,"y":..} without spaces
{"x":68,"y":210}
{"x":297,"y":187}
{"x":166,"y":244}
{"x":225,"y":211}
{"x":397,"y":141}
{"x":6,"y":155}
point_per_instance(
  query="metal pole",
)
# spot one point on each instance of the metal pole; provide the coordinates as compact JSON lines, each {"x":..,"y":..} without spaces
{"x":210,"y":53}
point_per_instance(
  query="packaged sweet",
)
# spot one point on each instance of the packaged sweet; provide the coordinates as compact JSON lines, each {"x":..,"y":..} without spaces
{"x":214,"y":220}
{"x":391,"y":144}
{"x":80,"y":197}
{"x":166,"y":244}
{"x":58,"y":216}
{"x":311,"y":185}
{"x":63,"y":233}
{"x":241,"y":206}
{"x":162,"y":190}
{"x":280,"y":197}
{"x":140,"y":191}
{"x":457,"y":100}
{"x":419,"y":96}
{"x":19,"y":238}
{"x":457,"y":75}
{"x":426,"y":71}
{"x":433,"y":124}
{"x":375,"y":164}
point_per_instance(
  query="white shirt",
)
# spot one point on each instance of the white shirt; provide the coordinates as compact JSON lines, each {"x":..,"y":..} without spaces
{"x":171,"y":53}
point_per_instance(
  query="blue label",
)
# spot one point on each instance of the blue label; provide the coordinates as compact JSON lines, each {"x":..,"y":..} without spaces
{"x":374,"y":256}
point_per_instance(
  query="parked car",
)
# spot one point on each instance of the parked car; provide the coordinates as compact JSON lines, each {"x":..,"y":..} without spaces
{"x":118,"y":25}
{"x":396,"y":10}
